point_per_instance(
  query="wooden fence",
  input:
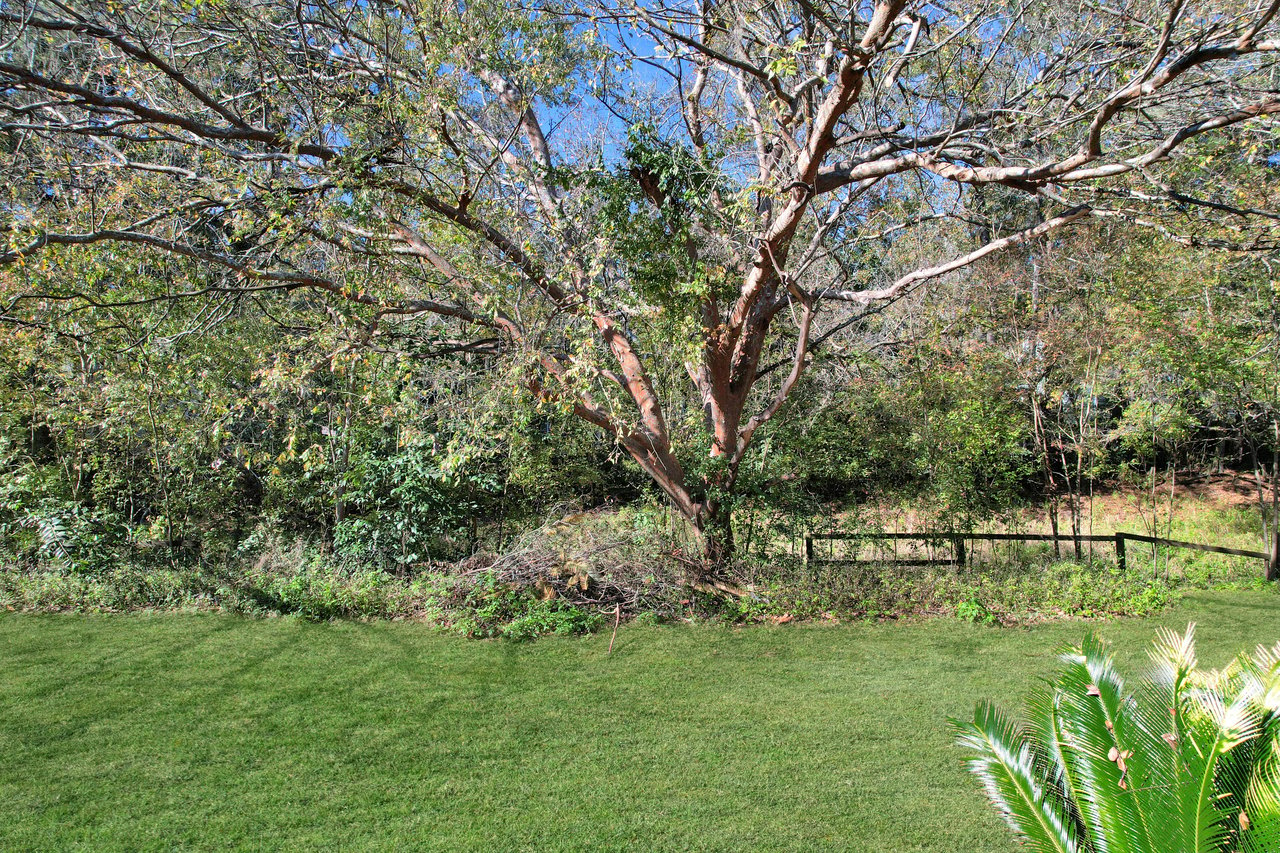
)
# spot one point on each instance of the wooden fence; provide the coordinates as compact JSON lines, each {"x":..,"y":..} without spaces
{"x":956,"y":542}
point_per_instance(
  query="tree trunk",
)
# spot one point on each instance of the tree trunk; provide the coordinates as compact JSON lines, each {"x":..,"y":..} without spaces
{"x":715,"y":527}
{"x":711,"y":516}
{"x":1269,"y":537}
{"x":1273,"y":565}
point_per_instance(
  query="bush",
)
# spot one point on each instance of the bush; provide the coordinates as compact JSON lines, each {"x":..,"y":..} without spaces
{"x":488,"y":607}
{"x":122,"y":587}
{"x":972,"y":610}
{"x":551,"y":617}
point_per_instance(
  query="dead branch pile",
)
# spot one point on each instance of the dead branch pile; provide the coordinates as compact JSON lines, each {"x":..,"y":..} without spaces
{"x":593,"y":560}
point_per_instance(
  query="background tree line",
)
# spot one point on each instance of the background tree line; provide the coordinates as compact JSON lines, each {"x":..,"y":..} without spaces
{"x":180,"y":431}
{"x":648,"y":216}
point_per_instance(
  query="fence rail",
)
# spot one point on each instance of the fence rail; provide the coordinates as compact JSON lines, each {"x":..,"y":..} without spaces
{"x":959,"y":555}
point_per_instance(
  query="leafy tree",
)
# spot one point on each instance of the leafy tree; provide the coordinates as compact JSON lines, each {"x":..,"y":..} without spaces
{"x":606,"y":195}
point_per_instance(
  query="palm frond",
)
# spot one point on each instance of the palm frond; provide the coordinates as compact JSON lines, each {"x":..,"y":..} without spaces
{"x":1259,"y":820}
{"x":1214,"y":728}
{"x":1047,"y":738}
{"x":1173,"y":654}
{"x":1007,"y":766}
{"x":1093,"y":720}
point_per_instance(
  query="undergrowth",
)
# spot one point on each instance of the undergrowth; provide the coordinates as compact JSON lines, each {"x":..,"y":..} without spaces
{"x":983,"y":594}
{"x":583,"y":572}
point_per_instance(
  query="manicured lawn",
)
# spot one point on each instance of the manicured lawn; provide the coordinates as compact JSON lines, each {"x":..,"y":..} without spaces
{"x":175,"y":731}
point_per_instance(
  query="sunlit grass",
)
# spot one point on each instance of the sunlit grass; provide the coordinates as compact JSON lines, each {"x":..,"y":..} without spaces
{"x":176,"y":731}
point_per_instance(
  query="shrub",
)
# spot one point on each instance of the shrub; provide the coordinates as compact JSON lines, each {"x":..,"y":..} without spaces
{"x":492,"y":608}
{"x":972,"y":610}
{"x":551,"y":617}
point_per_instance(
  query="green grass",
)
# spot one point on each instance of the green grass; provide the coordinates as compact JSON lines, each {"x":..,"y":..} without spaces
{"x":206,"y":731}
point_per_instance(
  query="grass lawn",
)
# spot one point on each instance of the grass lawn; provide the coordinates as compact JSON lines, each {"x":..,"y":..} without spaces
{"x":202,"y":731}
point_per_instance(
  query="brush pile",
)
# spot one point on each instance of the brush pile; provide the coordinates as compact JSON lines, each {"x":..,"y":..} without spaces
{"x":589,"y":560}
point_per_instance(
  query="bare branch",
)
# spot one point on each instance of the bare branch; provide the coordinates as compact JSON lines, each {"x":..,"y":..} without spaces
{"x":864,"y":297}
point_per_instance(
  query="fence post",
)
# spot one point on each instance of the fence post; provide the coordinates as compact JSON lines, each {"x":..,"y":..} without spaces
{"x":808,"y":549}
{"x":1120,"y":560}
{"x":959,"y":543}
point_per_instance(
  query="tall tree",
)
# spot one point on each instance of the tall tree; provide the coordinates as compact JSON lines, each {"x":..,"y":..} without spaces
{"x":600,"y":190}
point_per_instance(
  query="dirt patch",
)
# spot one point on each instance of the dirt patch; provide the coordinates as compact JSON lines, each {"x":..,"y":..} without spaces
{"x":1108,"y":509}
{"x":1232,"y":489}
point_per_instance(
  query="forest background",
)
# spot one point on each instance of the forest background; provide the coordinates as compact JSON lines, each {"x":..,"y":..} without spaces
{"x":204,"y":420}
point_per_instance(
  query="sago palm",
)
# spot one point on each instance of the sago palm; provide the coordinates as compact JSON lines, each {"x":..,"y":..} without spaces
{"x":1188,"y":761}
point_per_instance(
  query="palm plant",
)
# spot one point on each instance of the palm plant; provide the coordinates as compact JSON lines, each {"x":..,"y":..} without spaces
{"x":1189,"y":761}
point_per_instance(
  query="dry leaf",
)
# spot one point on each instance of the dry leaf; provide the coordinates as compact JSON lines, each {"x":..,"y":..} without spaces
{"x":546,"y":592}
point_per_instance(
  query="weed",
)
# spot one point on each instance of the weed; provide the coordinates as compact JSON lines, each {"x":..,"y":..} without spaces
{"x":972,"y":610}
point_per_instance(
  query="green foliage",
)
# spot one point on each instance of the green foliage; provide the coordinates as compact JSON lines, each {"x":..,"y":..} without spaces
{"x":489,"y":608}
{"x":175,"y":450}
{"x":683,"y":179}
{"x":1188,"y":760}
{"x":1148,"y":425}
{"x":404,"y":508}
{"x":976,"y":447}
{"x":551,"y":617}
{"x":38,"y":528}
{"x":948,"y":433}
{"x":857,"y":441}
{"x":973,"y":610}
{"x":553,"y":458}
{"x":320,"y":591}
